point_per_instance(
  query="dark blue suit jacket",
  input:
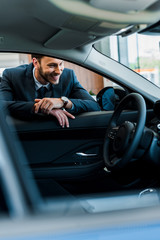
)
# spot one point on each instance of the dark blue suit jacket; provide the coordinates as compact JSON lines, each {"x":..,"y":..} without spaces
{"x":18,"y":90}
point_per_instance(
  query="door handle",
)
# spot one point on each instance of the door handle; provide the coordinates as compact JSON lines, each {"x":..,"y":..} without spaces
{"x":86,"y":154}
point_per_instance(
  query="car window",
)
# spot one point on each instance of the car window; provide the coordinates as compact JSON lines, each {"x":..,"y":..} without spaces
{"x":139,"y":52}
{"x":90,"y":80}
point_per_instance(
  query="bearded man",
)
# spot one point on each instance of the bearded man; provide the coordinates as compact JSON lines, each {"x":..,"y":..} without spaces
{"x":45,"y":87}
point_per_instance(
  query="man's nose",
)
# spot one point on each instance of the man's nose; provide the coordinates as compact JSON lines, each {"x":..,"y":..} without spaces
{"x":58,"y":69}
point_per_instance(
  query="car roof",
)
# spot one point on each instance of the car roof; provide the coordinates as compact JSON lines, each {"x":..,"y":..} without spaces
{"x":54,"y":27}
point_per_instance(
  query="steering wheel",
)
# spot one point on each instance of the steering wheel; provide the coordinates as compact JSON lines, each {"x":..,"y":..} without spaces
{"x":122,"y":141}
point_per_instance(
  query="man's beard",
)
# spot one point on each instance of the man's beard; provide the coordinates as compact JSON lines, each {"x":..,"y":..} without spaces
{"x":43,"y":75}
{"x":46,"y":76}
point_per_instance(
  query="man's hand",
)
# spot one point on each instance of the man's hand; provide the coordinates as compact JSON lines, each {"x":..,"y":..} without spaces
{"x":45,"y":105}
{"x":62,"y":116}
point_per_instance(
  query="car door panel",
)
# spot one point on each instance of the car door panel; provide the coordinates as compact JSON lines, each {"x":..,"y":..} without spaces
{"x":66,"y":152}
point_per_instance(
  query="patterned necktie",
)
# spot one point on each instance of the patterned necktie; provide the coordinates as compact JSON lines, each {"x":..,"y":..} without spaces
{"x":41,"y":92}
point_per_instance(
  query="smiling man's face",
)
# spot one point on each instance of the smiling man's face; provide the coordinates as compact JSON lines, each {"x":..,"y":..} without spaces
{"x":48,"y":69}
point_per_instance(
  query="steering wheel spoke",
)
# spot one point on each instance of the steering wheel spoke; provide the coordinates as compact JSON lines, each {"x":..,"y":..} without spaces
{"x":113,"y":132}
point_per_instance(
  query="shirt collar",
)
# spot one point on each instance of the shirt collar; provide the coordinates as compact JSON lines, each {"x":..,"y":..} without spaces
{"x":38,"y":84}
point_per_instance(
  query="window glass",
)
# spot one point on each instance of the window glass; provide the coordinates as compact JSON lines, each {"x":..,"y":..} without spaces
{"x":138,"y":52}
{"x":12,"y":60}
{"x":90,"y":80}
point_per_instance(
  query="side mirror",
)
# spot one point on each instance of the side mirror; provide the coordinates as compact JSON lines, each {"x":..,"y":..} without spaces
{"x":108,"y":98}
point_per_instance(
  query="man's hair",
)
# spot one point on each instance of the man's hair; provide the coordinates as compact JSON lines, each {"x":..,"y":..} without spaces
{"x":38,"y":56}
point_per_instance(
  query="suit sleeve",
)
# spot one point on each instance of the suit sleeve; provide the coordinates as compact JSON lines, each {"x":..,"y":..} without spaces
{"x":17,"y":108}
{"x":81,"y":99}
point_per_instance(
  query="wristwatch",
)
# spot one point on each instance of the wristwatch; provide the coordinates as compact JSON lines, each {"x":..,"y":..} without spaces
{"x":65,"y":101}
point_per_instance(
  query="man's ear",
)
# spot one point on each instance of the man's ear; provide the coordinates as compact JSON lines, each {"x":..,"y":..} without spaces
{"x":35,"y":62}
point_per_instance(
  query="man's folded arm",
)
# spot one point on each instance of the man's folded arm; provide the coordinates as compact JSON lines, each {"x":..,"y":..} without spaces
{"x":82,"y":100}
{"x":19,"y":109}
{"x":84,"y":106}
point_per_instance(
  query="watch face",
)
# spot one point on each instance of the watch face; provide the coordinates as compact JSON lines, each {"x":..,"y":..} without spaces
{"x":65,"y":99}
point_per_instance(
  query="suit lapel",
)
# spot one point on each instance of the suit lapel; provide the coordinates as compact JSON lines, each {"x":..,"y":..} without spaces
{"x":56,"y":91}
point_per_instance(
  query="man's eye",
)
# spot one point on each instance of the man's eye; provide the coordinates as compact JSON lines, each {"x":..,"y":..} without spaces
{"x":52,"y":66}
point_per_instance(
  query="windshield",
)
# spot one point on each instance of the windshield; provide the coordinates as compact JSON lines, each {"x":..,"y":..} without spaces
{"x":138,"y":52}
